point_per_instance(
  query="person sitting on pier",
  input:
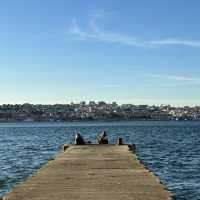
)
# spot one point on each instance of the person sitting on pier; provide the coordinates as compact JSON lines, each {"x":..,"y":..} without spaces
{"x":79,"y":139}
{"x":103,"y":139}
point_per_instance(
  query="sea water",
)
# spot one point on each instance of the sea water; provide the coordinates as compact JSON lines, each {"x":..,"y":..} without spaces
{"x":170,"y":149}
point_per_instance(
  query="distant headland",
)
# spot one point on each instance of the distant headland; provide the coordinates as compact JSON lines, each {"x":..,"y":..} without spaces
{"x":94,"y":111}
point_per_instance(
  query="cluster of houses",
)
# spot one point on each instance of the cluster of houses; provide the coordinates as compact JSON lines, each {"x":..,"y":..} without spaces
{"x":95,"y":111}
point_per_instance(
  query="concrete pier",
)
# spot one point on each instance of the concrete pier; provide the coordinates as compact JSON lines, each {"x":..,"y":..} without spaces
{"x":92,"y":172}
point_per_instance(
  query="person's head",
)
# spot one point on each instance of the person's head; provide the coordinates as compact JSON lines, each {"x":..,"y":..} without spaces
{"x":103,"y":134}
{"x":78,"y":139}
{"x":77,"y":135}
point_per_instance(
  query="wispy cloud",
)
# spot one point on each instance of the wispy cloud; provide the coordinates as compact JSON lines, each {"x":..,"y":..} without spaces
{"x":94,"y":32}
{"x":189,"y":43}
{"x":185,"y":80}
{"x":112,"y":86}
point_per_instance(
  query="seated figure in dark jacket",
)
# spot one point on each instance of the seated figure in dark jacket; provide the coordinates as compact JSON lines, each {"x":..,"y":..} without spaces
{"x":79,"y":139}
{"x":103,"y":139}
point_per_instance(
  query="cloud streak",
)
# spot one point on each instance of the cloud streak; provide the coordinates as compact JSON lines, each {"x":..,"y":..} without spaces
{"x":180,"y":42}
{"x":182,"y":80}
{"x":93,"y":32}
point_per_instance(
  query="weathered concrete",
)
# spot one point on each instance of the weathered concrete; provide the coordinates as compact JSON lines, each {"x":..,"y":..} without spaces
{"x":92,"y":172}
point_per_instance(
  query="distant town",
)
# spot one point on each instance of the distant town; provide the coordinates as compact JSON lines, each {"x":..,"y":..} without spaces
{"x":95,"y":111}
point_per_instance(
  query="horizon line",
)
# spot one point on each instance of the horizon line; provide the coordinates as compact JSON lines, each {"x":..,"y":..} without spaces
{"x":97,"y":101}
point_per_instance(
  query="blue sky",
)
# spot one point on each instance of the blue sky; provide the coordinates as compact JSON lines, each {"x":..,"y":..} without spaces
{"x":140,"y":52}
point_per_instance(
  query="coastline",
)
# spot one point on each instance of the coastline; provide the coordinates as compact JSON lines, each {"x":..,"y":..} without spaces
{"x":96,"y":121}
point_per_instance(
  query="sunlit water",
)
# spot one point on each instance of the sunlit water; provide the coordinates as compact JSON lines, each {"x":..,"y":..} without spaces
{"x":170,"y":149}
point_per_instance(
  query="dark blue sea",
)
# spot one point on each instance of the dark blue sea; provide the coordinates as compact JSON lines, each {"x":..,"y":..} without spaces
{"x":170,"y":149}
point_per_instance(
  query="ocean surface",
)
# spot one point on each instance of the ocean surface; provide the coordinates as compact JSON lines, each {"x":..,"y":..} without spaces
{"x":170,"y":149}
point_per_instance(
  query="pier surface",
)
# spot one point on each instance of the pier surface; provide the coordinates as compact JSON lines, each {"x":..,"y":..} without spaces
{"x":92,"y":172}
